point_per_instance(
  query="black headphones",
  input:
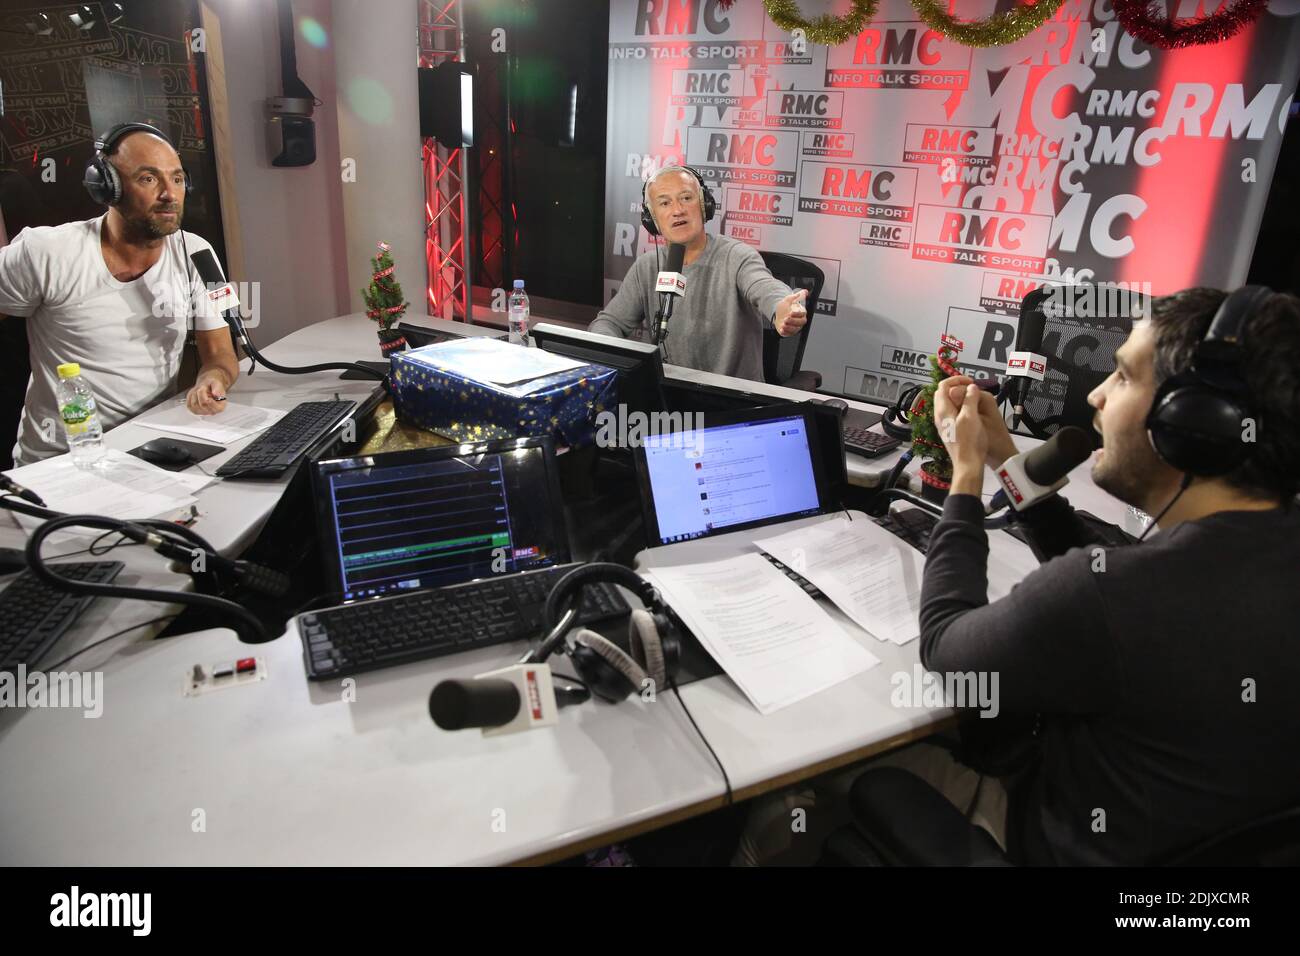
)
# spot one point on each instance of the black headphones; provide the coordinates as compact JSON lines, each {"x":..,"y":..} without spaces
{"x":648,"y":220}
{"x":102,"y":180}
{"x":611,"y":673}
{"x":1196,"y":419}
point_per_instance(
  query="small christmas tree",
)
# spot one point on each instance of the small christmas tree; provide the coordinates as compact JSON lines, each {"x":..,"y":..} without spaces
{"x":384,"y":303}
{"x":936,"y":472}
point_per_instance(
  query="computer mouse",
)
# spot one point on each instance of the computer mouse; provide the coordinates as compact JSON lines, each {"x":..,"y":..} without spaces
{"x":164,"y":451}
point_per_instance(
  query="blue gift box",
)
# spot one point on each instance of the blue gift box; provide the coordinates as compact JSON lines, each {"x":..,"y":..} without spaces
{"x":469,"y":390}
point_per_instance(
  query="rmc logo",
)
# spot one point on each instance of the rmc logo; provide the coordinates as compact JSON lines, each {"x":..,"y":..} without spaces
{"x":970,"y":145}
{"x":726,"y":155}
{"x":679,"y":17}
{"x":864,"y":192}
{"x":982,"y":237}
{"x":901,"y":55}
{"x":830,"y":145}
{"x":801,"y":109}
{"x":773,"y":207}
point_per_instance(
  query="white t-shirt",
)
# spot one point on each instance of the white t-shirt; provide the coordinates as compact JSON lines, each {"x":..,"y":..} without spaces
{"x":126,"y":336}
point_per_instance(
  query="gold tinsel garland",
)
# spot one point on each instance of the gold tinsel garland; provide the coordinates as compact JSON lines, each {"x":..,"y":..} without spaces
{"x":826,"y":29}
{"x":996,"y":30}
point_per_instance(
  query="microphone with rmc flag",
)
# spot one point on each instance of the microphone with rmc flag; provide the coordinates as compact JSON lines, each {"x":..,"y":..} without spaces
{"x":1026,"y":364}
{"x":505,"y":701}
{"x":669,"y":283}
{"x":1031,"y":476}
{"x":222,"y":295}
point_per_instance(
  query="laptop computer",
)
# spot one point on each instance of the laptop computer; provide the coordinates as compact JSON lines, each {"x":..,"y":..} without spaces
{"x":401,"y":521}
{"x":743,"y":469}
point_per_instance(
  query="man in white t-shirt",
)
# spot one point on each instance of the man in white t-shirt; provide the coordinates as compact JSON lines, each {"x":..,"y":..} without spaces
{"x":116,"y":294}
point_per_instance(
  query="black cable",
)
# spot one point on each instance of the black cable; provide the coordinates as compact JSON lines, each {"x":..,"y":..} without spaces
{"x":37,"y":565}
{"x":672,"y":683}
{"x":896,"y":420}
{"x":257,"y":356}
{"x":1186,"y":483}
{"x":103,"y":640}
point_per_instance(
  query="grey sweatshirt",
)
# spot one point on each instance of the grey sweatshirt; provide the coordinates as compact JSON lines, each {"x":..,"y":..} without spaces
{"x":717,"y":326}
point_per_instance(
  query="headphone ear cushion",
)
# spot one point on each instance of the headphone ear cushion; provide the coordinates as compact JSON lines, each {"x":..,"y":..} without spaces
{"x":610,"y":654}
{"x":647,"y":648}
{"x":648,"y":221}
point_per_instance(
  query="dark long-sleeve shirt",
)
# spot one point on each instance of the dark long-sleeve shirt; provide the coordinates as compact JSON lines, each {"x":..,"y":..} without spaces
{"x":1165,"y":674}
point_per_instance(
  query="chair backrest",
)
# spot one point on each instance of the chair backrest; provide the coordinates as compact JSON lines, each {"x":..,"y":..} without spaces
{"x":782,"y":357}
{"x":1080,"y":348}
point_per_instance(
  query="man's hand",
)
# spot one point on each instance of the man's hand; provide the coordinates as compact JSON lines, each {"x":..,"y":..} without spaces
{"x":1000,"y":445}
{"x":791,"y":316}
{"x":960,"y":428}
{"x":208,"y":396}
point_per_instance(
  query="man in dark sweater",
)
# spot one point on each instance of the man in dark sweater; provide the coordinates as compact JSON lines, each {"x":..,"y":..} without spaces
{"x":1162,"y":674}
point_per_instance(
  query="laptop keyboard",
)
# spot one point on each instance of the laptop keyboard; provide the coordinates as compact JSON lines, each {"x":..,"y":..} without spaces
{"x":911,"y":525}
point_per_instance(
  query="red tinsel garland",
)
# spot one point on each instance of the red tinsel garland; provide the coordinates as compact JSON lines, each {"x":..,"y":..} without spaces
{"x":1170,"y":34}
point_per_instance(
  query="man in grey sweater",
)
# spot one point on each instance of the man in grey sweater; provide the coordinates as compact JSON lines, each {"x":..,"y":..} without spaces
{"x":730,"y":295}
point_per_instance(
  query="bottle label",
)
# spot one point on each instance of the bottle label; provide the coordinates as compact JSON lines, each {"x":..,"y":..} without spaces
{"x":78,"y":417}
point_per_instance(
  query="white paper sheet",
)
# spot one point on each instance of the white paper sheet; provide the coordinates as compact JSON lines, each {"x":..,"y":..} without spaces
{"x":868,"y":573}
{"x":492,"y":360}
{"x":122,"y":487}
{"x":236,"y":422}
{"x":773,"y":640}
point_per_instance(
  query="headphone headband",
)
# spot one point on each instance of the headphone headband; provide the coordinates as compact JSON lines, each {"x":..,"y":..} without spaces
{"x":107,"y":140}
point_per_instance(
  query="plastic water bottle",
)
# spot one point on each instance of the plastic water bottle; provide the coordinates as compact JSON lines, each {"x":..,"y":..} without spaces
{"x":80,"y":417}
{"x":518,"y":317}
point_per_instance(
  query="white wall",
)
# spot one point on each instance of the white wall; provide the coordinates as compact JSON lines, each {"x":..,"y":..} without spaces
{"x":291,"y":220}
{"x":375,"y":53}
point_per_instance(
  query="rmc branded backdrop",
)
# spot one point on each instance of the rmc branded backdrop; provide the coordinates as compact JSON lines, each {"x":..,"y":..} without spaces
{"x":936,"y":184}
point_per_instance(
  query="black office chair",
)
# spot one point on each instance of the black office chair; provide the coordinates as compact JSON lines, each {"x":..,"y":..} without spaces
{"x":900,"y":820}
{"x":1080,"y":355}
{"x":782,"y":357}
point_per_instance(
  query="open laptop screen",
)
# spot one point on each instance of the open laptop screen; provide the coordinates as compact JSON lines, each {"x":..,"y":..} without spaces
{"x":741,"y":470}
{"x":436,"y":516}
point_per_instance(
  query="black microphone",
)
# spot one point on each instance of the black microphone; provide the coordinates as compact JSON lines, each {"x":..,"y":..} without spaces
{"x":669,"y":284}
{"x":11,"y":486}
{"x":1031,"y":476}
{"x":460,"y":704}
{"x":221,"y":293}
{"x":1026,"y":365}
{"x":255,"y":577}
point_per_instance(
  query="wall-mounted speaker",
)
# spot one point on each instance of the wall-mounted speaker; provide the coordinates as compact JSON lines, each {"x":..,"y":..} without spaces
{"x":447,"y":103}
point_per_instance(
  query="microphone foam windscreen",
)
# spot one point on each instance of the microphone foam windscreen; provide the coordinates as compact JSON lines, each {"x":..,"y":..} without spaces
{"x":1058,"y":456}
{"x":676,"y":257}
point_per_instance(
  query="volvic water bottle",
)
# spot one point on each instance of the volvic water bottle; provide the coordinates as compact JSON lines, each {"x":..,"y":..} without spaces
{"x":80,"y":417}
{"x":518,"y":318}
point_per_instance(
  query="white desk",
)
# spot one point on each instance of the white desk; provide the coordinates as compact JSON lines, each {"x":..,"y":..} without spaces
{"x":288,"y":772}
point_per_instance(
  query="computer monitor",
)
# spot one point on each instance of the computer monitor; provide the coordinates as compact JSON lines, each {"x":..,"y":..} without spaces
{"x":740,"y":470}
{"x":639,"y":364}
{"x":402,"y":521}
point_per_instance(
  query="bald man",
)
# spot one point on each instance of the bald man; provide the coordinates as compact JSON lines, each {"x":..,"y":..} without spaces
{"x":731,"y":297}
{"x":115,"y":294}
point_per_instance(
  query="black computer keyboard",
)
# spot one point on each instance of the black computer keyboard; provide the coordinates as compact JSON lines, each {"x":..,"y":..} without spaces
{"x":274,"y":451}
{"x":369,"y":635}
{"x":912,"y":525}
{"x":812,"y":590}
{"x":34,"y":615}
{"x":864,"y":441}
